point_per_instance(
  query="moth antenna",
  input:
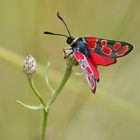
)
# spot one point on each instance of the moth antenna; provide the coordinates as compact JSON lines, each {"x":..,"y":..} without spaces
{"x":58,"y":15}
{"x":50,"y":33}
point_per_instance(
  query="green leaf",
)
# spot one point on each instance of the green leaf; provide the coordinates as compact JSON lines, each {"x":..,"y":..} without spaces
{"x":30,"y":106}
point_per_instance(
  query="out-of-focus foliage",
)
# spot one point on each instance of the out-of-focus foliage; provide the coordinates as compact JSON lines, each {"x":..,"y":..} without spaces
{"x":113,"y":113}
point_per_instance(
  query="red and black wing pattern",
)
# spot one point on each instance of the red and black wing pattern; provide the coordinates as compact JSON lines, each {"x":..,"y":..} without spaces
{"x":102,"y":60}
{"x":109,"y":48}
{"x":89,"y":69}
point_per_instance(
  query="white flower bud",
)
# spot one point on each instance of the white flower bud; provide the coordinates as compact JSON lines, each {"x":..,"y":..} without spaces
{"x":29,"y":65}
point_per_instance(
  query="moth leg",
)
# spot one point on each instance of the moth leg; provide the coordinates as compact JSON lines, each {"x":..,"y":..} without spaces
{"x":67,"y":52}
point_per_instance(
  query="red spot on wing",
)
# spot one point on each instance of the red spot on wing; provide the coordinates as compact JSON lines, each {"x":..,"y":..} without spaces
{"x":79,"y":56}
{"x":89,"y":70}
{"x":123,"y":51}
{"x":83,"y":66}
{"x":92,"y":85}
{"x":93,"y":67}
{"x":117,"y":45}
{"x":91,"y":82}
{"x":98,"y":59}
{"x":104,"y":42}
{"x":105,"y":49}
{"x":91,"y":41}
{"x":88,"y":78}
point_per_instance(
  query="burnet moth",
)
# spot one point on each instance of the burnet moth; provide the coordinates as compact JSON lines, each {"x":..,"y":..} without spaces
{"x":89,"y":52}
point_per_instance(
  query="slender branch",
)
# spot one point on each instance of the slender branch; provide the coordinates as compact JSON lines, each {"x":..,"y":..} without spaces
{"x":63,"y":82}
{"x":36,"y":91}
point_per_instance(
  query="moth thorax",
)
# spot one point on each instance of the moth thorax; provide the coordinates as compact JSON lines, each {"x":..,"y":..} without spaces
{"x":68,"y":56}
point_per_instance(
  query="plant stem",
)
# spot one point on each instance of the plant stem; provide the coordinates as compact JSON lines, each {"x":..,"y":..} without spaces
{"x":44,"y":124}
{"x":52,"y":99}
{"x":36,"y":91}
{"x":61,"y":85}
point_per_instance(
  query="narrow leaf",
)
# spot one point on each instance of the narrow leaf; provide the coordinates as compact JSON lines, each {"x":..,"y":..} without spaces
{"x":30,"y":106}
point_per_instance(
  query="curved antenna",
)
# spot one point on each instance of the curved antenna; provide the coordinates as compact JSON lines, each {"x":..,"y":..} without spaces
{"x":58,"y":15}
{"x":50,"y":33}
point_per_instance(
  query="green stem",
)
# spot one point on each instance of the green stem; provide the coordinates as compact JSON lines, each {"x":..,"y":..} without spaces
{"x":35,"y":90}
{"x":44,"y":125}
{"x":61,"y":85}
{"x":53,"y":98}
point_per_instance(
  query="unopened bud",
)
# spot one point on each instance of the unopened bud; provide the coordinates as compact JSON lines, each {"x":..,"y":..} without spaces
{"x":29,"y":65}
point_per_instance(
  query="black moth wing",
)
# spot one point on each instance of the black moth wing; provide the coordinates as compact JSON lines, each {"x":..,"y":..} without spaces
{"x":108,"y":48}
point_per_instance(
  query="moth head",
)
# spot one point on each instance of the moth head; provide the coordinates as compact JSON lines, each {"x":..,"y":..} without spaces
{"x":70,"y":40}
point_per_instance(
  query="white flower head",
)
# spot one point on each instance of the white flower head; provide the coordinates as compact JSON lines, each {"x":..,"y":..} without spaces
{"x":29,"y":65}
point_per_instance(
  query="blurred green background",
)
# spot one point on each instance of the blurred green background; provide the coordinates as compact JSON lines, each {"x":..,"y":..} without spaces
{"x":112,"y":114}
